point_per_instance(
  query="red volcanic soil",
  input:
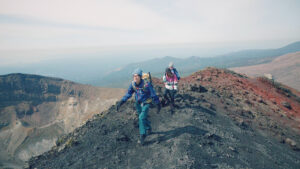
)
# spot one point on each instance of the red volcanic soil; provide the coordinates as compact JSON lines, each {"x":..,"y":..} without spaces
{"x":281,"y":99}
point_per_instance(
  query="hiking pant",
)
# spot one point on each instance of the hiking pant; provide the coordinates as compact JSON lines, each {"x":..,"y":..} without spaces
{"x":144,"y":123}
{"x":171,"y":94}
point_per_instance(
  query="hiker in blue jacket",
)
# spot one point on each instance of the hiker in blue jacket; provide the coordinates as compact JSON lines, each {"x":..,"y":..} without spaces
{"x":144,"y":94}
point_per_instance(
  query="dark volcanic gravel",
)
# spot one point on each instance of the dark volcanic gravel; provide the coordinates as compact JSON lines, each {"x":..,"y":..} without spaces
{"x":222,"y":120}
{"x":197,"y":135}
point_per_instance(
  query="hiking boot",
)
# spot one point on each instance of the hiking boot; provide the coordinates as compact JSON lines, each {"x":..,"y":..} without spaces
{"x":148,"y":132}
{"x":175,"y":106}
{"x":142,"y":139}
{"x":172,"y":111}
{"x":172,"y":108}
{"x":164,"y":102}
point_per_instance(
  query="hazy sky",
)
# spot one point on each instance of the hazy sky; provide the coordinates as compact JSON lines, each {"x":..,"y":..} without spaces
{"x":44,"y":24}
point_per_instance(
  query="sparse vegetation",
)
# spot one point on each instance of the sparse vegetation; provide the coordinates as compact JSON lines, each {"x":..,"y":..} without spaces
{"x":280,"y":88}
{"x":60,"y":141}
{"x":234,"y":73}
{"x":70,"y":142}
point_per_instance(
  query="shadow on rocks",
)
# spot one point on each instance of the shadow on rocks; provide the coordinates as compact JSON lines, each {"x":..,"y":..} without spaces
{"x":198,"y":107}
{"x":167,"y":135}
{"x":205,"y":110}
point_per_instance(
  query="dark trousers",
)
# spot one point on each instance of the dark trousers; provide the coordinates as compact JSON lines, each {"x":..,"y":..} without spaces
{"x":169,"y":95}
{"x":144,"y":123}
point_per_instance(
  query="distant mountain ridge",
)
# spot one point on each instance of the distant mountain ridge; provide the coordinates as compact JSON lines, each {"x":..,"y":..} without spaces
{"x":30,"y":87}
{"x":254,"y":56}
{"x":284,"y":69}
{"x":122,"y":76}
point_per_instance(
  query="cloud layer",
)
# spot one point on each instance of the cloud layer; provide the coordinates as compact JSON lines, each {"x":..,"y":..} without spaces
{"x":39,"y":24}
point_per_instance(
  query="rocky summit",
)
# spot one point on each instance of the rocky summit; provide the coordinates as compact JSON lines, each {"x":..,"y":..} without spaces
{"x":221,"y":120}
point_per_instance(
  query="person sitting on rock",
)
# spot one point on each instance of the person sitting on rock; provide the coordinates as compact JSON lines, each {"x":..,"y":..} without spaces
{"x":144,"y":94}
{"x":171,"y":81}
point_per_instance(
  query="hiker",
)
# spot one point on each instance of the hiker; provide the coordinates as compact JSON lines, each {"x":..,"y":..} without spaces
{"x":144,"y":94}
{"x":173,"y":69}
{"x":170,"y":80}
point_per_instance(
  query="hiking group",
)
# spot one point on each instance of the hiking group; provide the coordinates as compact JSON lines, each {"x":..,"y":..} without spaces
{"x":146,"y":95}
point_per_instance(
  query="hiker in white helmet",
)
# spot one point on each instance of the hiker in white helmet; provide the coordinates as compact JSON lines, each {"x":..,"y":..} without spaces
{"x":170,"y":80}
{"x":173,"y":70}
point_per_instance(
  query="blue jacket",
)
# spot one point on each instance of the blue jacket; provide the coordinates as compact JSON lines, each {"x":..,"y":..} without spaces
{"x":142,"y":93}
{"x":176,"y":73}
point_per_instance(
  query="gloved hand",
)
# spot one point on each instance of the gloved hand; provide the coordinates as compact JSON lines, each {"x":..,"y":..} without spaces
{"x":158,"y":108}
{"x":119,"y":104}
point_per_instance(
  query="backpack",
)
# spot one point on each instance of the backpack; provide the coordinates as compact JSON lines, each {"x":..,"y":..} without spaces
{"x":147,"y":79}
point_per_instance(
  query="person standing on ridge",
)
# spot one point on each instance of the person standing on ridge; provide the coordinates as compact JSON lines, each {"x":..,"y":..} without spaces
{"x":170,"y":80}
{"x":144,"y":95}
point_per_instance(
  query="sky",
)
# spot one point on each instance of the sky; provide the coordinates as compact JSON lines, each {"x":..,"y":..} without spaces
{"x":41,"y":25}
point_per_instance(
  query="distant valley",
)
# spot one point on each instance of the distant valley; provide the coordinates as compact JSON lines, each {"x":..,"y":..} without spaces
{"x":120,"y":77}
{"x":112,"y":68}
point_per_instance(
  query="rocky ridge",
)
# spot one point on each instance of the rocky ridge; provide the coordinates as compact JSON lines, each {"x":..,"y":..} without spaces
{"x":222,"y":120}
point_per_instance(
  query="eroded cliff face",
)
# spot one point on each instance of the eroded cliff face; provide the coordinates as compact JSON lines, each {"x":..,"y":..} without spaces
{"x":222,"y":120}
{"x":35,"y":110}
